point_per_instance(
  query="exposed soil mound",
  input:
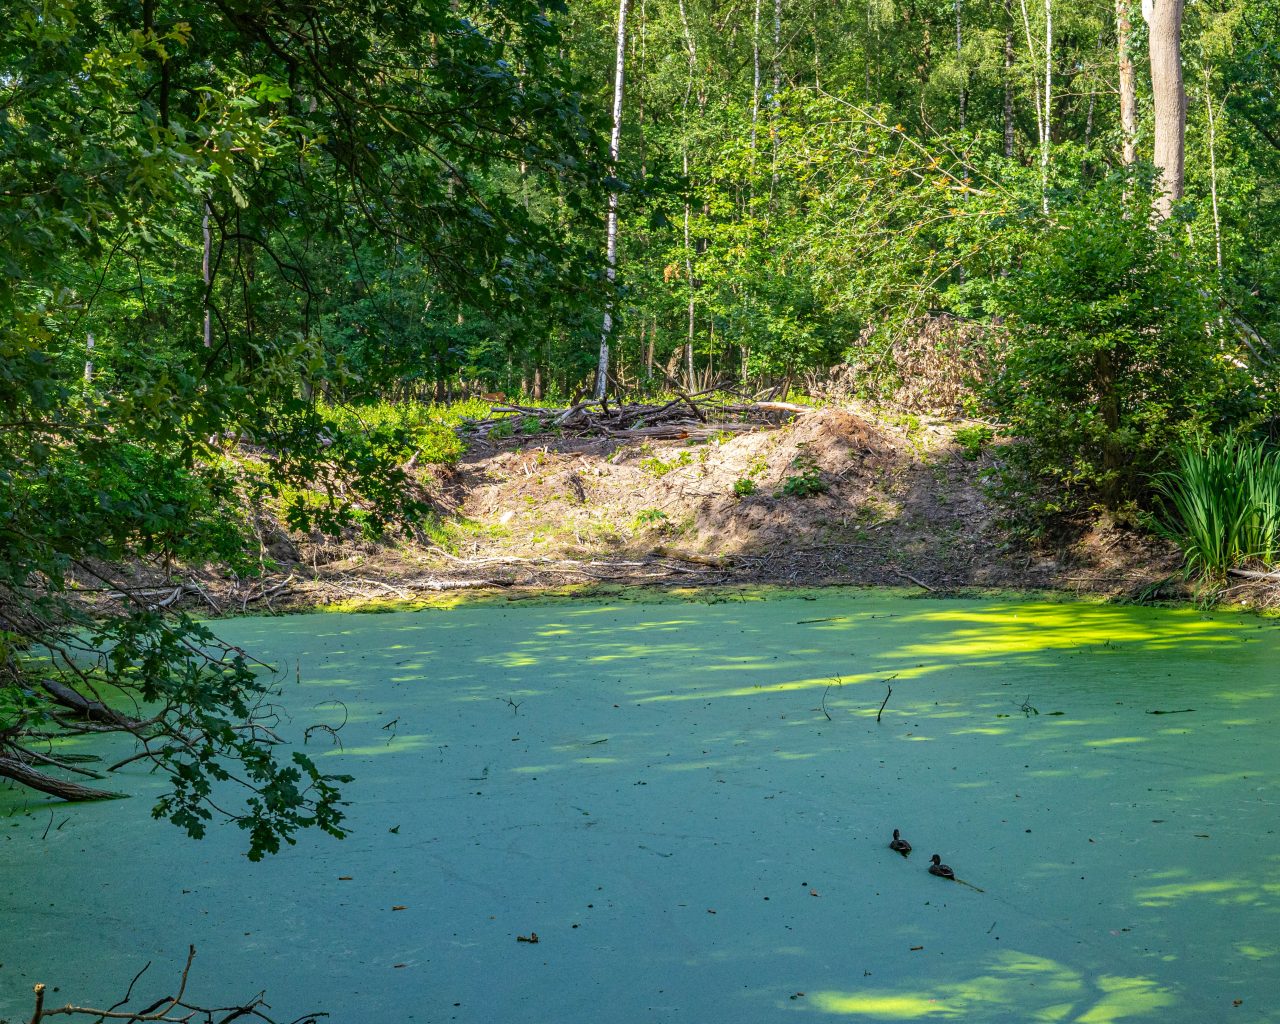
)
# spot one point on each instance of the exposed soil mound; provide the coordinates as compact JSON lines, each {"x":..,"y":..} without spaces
{"x":733,"y":495}
{"x":837,"y":495}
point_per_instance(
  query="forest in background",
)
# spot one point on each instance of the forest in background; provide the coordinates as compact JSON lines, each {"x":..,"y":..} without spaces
{"x":230,"y":222}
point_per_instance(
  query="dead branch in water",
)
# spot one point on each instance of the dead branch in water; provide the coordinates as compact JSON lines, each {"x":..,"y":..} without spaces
{"x":167,"y":1010}
{"x":19,"y":771}
{"x":885,"y":702}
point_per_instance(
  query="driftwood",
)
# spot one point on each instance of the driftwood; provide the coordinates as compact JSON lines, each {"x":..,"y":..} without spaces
{"x":918,"y":583}
{"x":167,"y":596}
{"x":683,"y":417}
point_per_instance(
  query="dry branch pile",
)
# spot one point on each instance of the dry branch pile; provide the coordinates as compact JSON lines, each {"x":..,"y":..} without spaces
{"x":683,"y":417}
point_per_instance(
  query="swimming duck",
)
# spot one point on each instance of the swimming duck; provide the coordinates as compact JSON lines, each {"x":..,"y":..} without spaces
{"x":900,"y":844}
{"x":940,"y":869}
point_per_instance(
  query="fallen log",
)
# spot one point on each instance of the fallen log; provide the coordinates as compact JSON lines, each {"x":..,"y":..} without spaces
{"x":12,"y":768}
{"x":93,"y":710}
{"x":782,"y":407}
{"x":1252,"y":574}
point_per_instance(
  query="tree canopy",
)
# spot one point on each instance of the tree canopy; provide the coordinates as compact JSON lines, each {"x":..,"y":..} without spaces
{"x":296,"y":150}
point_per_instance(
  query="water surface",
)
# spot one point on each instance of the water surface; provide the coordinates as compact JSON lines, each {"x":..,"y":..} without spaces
{"x":689,"y":803}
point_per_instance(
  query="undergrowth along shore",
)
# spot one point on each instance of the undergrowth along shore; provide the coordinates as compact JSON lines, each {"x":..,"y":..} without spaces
{"x":1220,"y":503}
{"x":534,"y":504}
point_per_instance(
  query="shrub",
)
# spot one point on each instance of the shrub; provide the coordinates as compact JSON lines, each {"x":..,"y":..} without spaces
{"x":398,"y":431}
{"x":744,"y":487}
{"x":649,"y":517}
{"x":1221,"y":505}
{"x":658,"y":468}
{"x":1110,"y":356}
{"x":806,"y":483}
{"x":973,"y":439}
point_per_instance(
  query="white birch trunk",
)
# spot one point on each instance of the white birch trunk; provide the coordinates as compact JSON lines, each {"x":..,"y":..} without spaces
{"x":611,"y":242}
{"x":755,"y":82}
{"x":205,"y":276}
{"x":692,"y":48}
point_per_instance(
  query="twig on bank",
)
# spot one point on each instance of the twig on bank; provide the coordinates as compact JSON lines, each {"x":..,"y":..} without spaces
{"x":918,"y":583}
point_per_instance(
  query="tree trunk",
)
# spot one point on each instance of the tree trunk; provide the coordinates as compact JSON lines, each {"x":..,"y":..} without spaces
{"x":817,"y":55}
{"x":1213,"y":171}
{"x":1042,"y":102}
{"x":1008,"y":81}
{"x":755,"y":82}
{"x":1164,"y":20}
{"x":964,"y":88}
{"x":641,"y":82}
{"x":692,"y":48}
{"x":774,"y":102}
{"x":1093,"y":97}
{"x":1128,"y":89}
{"x":206,"y":275}
{"x":1048,"y":104}
{"x":611,"y":243}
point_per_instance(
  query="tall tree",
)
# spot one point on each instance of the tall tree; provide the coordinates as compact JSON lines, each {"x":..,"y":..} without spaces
{"x":611,"y":228}
{"x":1128,"y":88}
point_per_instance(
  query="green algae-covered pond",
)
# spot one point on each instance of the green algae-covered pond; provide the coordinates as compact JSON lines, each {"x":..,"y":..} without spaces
{"x":689,"y":802}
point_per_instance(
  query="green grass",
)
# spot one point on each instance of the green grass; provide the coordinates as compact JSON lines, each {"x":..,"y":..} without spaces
{"x":658,"y":468}
{"x":428,"y":430}
{"x":1221,"y":505}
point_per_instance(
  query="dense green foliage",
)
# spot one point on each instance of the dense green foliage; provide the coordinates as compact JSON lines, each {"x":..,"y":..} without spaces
{"x":301,"y":140}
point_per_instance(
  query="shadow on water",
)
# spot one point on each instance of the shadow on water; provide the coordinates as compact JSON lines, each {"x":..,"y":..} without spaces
{"x":689,"y":801}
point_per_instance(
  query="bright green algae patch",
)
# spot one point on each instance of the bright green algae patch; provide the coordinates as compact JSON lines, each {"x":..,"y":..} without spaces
{"x":689,"y":801}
